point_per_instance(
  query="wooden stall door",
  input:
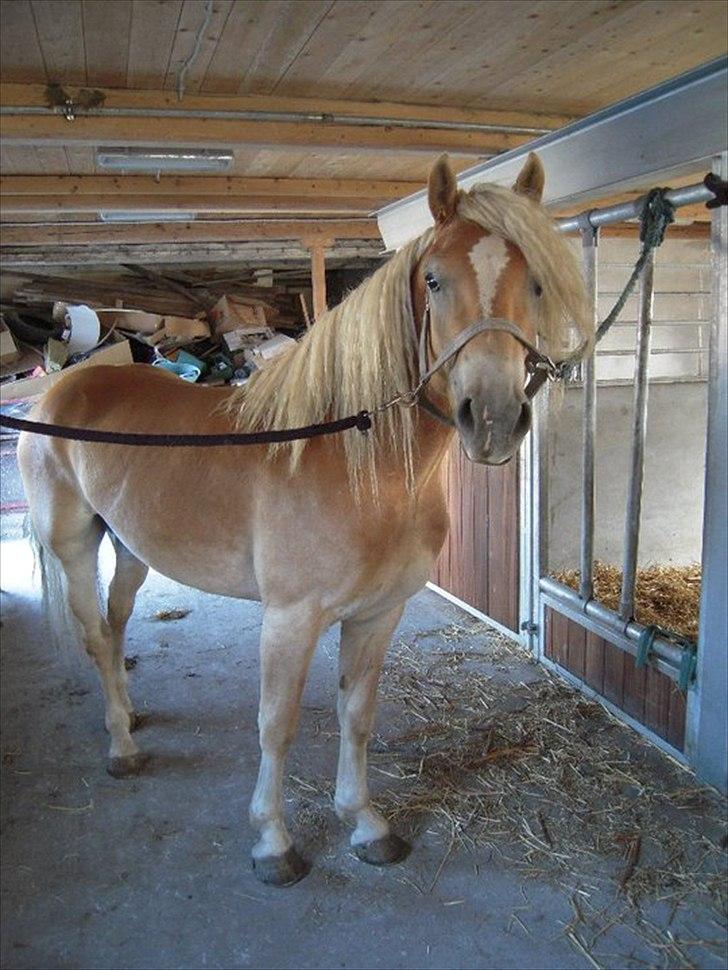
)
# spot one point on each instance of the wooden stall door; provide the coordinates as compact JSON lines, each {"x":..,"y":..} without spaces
{"x":479,"y":561}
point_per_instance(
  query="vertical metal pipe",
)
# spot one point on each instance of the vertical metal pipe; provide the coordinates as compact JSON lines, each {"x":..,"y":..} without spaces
{"x":639,"y":428}
{"x":590,"y":239}
{"x":707,"y":715}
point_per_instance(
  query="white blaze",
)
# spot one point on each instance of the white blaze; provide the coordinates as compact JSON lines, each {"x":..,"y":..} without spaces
{"x":489,"y":257}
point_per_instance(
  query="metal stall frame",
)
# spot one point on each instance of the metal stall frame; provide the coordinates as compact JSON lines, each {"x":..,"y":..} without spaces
{"x":675,"y":128}
{"x":706,"y":697}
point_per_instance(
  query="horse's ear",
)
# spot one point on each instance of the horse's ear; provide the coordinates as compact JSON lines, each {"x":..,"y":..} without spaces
{"x":531,"y":179}
{"x":442,"y":190}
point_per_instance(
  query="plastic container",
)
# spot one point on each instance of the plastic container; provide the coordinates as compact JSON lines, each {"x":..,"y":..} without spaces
{"x":188,"y":372}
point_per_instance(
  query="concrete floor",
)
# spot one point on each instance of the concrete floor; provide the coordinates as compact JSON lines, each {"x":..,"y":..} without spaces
{"x":154,"y":872}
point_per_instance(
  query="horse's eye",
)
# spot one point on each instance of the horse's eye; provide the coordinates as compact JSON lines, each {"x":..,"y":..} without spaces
{"x":537,"y":289}
{"x":432,"y":283}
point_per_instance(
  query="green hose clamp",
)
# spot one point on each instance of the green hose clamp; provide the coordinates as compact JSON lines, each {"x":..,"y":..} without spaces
{"x":688,"y":659}
{"x":644,"y":645}
{"x":688,"y":666}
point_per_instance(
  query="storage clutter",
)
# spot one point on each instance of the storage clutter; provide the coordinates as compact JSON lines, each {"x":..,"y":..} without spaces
{"x":210,"y":331}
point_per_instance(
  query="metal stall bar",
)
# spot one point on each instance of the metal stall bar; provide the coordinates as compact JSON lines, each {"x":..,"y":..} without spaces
{"x":665,"y":656}
{"x":624,"y":211}
{"x":639,"y":433}
{"x":590,"y":239}
{"x":706,"y":741}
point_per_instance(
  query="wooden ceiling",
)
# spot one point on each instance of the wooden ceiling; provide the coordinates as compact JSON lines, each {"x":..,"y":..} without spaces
{"x":559,"y":56}
{"x":533,"y":64}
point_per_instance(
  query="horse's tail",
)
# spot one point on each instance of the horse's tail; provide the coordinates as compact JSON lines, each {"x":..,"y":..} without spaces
{"x":61,"y":622}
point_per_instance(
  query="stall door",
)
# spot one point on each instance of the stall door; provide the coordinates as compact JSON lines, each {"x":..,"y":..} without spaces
{"x":479,"y":561}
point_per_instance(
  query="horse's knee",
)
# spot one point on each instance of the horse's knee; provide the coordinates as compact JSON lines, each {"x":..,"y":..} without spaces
{"x":276,"y":732}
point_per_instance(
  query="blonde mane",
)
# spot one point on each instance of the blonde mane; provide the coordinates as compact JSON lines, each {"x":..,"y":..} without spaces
{"x":362,"y":352}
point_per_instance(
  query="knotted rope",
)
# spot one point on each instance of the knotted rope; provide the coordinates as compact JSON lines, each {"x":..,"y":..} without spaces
{"x":657,"y":214}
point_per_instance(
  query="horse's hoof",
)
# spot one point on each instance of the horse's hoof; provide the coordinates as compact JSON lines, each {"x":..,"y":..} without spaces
{"x":127,"y":767}
{"x":383,"y":852}
{"x":281,"y":870}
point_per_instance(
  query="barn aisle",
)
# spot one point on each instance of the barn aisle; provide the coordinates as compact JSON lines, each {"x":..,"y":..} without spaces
{"x":155,"y":872}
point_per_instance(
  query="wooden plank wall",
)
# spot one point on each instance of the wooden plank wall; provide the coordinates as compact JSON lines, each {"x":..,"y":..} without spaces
{"x":479,"y":561}
{"x":646,"y":695}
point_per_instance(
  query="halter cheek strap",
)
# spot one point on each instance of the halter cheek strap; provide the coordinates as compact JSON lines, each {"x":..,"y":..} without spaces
{"x":539,"y":366}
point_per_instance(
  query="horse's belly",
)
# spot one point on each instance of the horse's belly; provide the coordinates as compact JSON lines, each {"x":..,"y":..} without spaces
{"x":203,"y":565}
{"x":181,"y":520}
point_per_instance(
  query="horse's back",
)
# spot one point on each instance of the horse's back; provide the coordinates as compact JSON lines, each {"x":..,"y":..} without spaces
{"x":144,"y":395}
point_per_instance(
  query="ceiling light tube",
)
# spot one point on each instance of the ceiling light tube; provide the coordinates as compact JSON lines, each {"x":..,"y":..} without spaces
{"x":145,"y":215}
{"x":154,"y":160}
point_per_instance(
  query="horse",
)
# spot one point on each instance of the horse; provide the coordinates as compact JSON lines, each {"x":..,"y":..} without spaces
{"x":336,"y":529}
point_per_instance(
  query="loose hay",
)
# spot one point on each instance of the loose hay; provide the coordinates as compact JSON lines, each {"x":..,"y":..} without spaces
{"x":549,"y":783}
{"x":668,"y":596}
{"x":165,"y":616}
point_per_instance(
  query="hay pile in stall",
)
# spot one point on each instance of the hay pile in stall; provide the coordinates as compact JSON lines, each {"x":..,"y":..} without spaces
{"x":495,"y":758}
{"x":668,"y":596}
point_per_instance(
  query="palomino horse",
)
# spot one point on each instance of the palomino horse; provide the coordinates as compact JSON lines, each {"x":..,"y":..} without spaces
{"x":337,"y":529}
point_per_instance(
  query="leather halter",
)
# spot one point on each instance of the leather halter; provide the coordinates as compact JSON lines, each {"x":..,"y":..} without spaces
{"x":539,"y":366}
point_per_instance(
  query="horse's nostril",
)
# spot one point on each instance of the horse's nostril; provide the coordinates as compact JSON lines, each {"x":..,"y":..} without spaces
{"x":523,"y":424}
{"x":465,"y":415}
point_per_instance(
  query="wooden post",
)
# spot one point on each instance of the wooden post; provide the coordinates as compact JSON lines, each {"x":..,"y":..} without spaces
{"x":318,"y":276}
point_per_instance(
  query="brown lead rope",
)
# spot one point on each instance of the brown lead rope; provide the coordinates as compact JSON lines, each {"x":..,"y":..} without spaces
{"x":361,"y":421}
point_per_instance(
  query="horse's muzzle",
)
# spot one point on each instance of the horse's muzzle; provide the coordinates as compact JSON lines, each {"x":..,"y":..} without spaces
{"x":491,"y":435}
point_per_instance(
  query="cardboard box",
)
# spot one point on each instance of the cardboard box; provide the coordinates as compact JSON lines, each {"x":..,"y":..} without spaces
{"x":185,"y":328}
{"x":117,"y":354}
{"x":269,"y":349}
{"x":231,"y":314}
{"x":153,"y":327}
{"x":244,"y":339}
{"x":137,"y":320}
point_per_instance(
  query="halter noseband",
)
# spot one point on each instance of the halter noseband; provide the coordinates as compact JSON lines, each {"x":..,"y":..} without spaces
{"x":539,"y":366}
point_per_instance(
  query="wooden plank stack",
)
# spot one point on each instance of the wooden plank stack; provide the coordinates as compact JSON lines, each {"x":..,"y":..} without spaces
{"x":175,"y":294}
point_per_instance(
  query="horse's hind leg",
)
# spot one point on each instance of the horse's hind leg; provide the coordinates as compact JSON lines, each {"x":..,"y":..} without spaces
{"x":363,"y":646}
{"x":129,"y":575}
{"x":77,"y":551}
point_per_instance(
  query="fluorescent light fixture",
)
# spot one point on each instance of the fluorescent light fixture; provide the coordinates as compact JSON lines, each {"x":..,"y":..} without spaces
{"x":146,"y":215}
{"x":158,"y":160}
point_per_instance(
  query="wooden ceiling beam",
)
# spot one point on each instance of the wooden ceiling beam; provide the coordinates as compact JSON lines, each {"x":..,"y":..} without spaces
{"x":50,"y":130}
{"x":35,"y":96}
{"x":17,"y":205}
{"x":25,"y":258}
{"x":372,"y":190}
{"x":107,"y":234}
{"x":253,"y":121}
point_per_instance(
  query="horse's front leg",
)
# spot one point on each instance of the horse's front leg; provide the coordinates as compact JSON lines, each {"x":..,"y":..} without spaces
{"x":287,"y":643}
{"x":363,"y":646}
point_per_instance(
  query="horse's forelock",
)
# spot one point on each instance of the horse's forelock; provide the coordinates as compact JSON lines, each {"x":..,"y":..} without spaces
{"x":550,"y":258}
